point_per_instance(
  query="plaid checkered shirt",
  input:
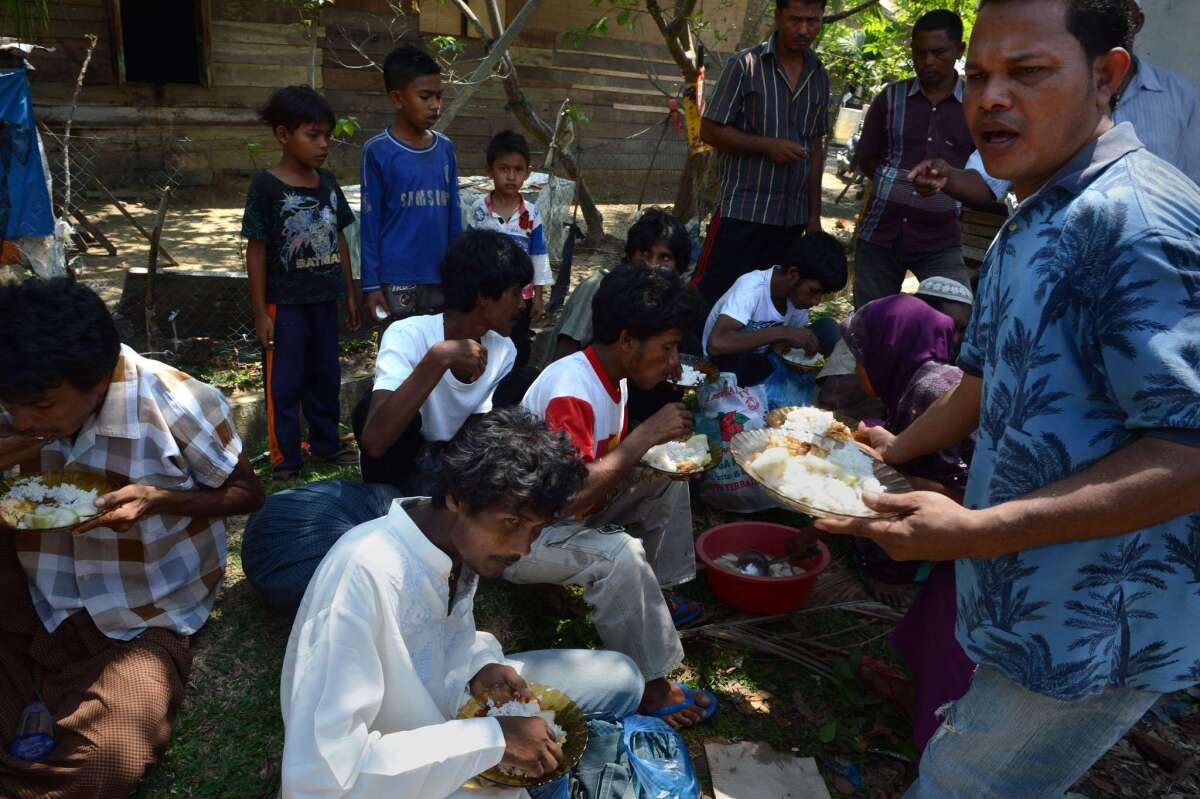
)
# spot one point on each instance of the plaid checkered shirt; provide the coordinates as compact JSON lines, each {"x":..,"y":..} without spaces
{"x":159,"y":427}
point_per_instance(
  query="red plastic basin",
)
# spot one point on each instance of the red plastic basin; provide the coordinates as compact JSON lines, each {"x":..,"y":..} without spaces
{"x":763,"y":595}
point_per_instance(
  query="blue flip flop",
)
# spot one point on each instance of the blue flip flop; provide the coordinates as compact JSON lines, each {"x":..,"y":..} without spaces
{"x":689,"y":695}
{"x":683,"y":612}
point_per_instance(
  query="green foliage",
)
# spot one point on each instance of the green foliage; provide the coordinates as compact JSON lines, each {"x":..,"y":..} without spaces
{"x":872,"y":48}
{"x":446,"y":46}
{"x":575,"y":37}
{"x":576,"y":114}
{"x":345,"y":128}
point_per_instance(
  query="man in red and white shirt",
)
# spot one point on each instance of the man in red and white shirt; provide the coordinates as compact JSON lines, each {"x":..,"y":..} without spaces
{"x":632,"y":534}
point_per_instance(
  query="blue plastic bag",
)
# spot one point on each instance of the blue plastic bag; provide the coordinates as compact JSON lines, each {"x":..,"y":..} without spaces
{"x":786,"y":387}
{"x":661,"y":763}
{"x":559,"y":789}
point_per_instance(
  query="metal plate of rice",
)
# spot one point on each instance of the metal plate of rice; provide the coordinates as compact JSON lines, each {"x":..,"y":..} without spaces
{"x":715,"y":454}
{"x":566,"y":715}
{"x":85,"y":481}
{"x":782,"y":351}
{"x":748,"y":443}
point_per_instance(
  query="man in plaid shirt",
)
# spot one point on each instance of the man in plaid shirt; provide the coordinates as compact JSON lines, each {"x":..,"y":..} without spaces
{"x":96,"y":621}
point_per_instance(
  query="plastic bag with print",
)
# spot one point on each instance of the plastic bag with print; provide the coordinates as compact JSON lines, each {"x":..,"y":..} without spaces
{"x":726,"y":409}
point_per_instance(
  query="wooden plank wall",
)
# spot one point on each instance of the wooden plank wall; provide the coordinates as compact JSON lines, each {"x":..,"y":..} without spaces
{"x":257,"y":46}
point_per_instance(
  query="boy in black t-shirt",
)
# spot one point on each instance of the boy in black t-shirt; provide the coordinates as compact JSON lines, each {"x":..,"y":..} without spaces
{"x":299,"y":269}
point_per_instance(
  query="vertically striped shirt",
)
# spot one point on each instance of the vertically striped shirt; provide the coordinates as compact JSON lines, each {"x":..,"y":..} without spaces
{"x":754,"y":96}
{"x":1165,"y":112}
{"x":903,"y":128}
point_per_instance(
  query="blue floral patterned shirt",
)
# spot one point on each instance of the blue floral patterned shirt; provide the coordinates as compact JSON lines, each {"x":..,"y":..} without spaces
{"x":1086,"y":335}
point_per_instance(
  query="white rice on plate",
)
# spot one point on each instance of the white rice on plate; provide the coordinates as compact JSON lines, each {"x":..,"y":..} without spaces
{"x":527,"y":709}
{"x":681,"y":457}
{"x":800,"y":357}
{"x":691,"y":377}
{"x":816,"y":481}
{"x":39,"y":506}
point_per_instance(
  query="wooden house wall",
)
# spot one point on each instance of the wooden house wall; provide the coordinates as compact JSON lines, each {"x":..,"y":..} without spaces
{"x":257,"y":46}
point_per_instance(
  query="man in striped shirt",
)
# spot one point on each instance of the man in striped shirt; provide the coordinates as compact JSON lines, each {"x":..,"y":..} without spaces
{"x":910,"y":121}
{"x":1163,"y":107}
{"x":768,"y":119}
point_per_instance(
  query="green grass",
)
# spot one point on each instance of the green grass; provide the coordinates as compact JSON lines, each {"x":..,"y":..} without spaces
{"x":228,"y":737}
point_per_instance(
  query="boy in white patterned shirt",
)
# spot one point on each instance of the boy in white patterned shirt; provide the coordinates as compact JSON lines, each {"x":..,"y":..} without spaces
{"x":506,"y":211}
{"x":97,"y":619}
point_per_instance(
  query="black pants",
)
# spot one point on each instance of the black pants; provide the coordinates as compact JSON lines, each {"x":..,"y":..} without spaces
{"x":411,"y":463}
{"x":302,"y":372}
{"x":734,"y":247}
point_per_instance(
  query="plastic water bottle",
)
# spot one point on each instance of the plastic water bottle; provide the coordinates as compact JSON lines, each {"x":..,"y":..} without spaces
{"x":35,"y":734}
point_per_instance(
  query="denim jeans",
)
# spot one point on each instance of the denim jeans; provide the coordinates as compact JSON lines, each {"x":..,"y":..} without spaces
{"x":606,"y":685}
{"x":1003,"y":741}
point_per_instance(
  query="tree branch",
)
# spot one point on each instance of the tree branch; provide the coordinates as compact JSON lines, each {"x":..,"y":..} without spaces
{"x":848,"y":13}
{"x":678,"y":38}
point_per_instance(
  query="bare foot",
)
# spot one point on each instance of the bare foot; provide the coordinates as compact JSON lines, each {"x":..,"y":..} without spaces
{"x":664,"y":693}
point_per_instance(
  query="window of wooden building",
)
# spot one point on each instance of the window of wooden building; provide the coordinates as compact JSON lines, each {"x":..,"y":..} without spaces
{"x":162,"y":41}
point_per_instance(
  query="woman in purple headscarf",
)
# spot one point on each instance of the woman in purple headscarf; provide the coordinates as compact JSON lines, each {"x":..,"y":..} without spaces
{"x":904,"y":347}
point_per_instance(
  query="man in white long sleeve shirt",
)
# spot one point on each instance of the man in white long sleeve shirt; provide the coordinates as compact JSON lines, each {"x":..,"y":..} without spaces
{"x":384,"y":648}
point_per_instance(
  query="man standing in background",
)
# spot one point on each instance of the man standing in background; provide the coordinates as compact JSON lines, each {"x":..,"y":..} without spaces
{"x":910,"y":121}
{"x":768,"y":118}
{"x":1162,"y":106}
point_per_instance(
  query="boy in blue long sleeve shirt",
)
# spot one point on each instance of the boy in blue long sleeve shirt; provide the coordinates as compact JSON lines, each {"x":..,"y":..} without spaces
{"x":410,"y":211}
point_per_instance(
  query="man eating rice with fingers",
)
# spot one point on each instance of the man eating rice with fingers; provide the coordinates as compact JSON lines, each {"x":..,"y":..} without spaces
{"x":96,"y":622}
{"x":384,"y":650}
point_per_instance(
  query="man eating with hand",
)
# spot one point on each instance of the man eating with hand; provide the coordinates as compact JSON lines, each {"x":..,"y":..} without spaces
{"x":384,"y":650}
{"x":97,"y":620}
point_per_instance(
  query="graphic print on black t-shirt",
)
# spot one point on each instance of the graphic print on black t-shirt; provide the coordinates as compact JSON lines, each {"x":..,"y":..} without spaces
{"x":300,"y":226}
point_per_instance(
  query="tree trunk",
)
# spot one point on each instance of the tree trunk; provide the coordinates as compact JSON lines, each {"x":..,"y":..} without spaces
{"x":151,"y":309}
{"x":534,"y":125}
{"x":752,"y":23}
{"x":694,"y":185}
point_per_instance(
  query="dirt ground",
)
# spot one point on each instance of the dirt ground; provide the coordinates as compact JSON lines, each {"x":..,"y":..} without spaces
{"x":203,"y":225}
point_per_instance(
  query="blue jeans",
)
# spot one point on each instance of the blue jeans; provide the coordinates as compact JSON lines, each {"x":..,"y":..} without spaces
{"x":1003,"y":741}
{"x":605,"y":684}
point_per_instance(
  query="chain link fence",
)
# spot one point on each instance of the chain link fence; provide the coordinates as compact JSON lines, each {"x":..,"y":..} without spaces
{"x":202,"y":316}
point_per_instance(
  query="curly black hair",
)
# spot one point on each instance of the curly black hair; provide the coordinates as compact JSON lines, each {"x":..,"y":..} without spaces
{"x":509,"y":458}
{"x":293,"y":106}
{"x":405,"y":64}
{"x":482,"y":263}
{"x":645,"y":300}
{"x":54,"y":331}
{"x":657,"y":225}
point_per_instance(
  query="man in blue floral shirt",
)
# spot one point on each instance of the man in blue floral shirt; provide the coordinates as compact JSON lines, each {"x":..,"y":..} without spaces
{"x":1078,"y":551}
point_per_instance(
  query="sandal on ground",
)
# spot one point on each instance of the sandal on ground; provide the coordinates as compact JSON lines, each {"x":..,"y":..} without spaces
{"x":689,"y":699}
{"x":347,"y":455}
{"x":683,"y":611}
{"x":887,"y":678}
{"x":284,"y":474}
